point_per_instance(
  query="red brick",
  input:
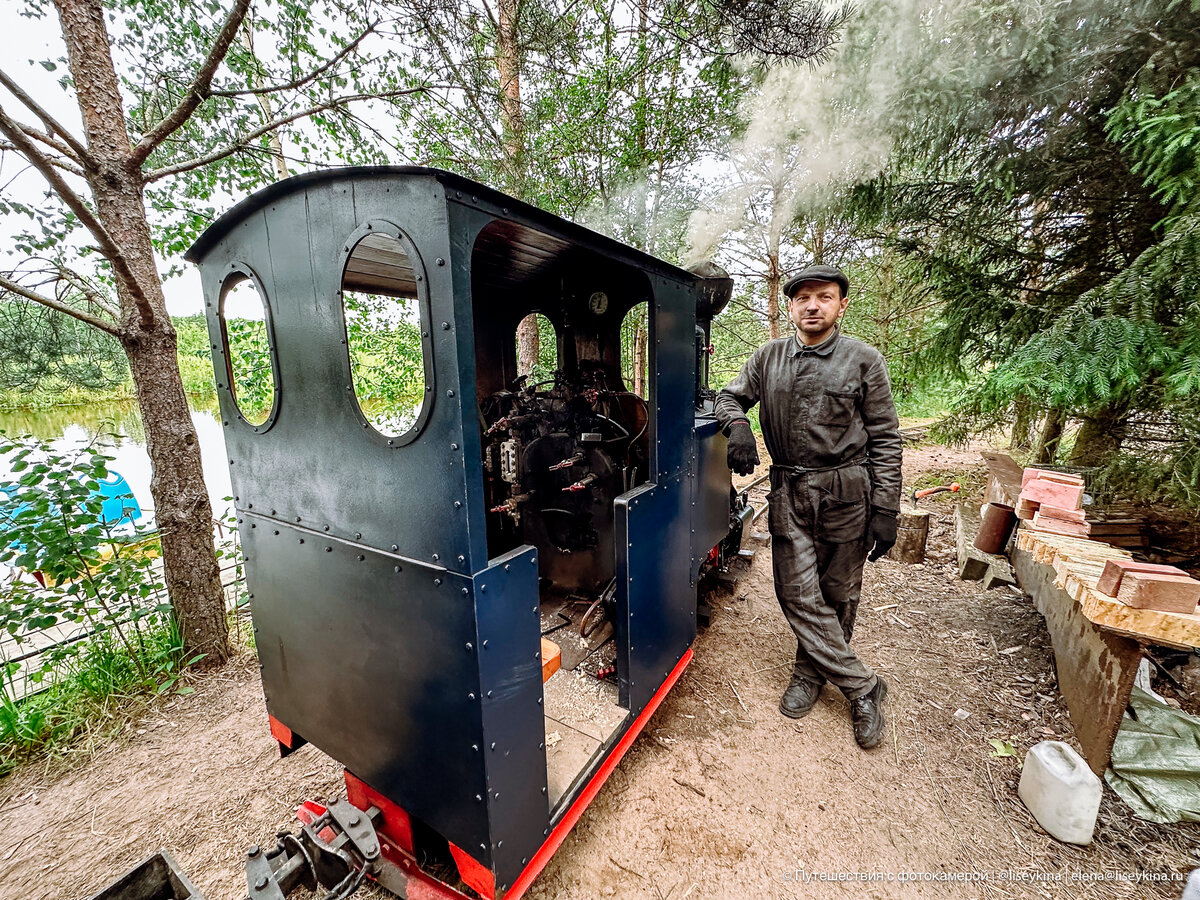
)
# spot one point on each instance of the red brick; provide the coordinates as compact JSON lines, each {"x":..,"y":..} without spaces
{"x":1053,"y":493}
{"x":1114,"y":569}
{"x":1152,"y":590}
{"x":1062,"y":477}
{"x":1057,"y":512}
{"x":1060,"y":526}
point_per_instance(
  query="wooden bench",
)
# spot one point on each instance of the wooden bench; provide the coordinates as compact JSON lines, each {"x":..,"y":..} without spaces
{"x":1098,"y":641}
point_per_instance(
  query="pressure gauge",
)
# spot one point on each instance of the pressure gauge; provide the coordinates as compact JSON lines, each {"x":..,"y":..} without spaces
{"x":598,"y":303}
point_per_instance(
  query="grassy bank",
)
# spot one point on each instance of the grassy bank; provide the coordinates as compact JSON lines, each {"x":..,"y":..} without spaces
{"x":92,"y":694}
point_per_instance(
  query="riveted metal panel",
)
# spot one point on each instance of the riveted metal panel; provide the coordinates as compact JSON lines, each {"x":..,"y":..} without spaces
{"x":674,"y":375}
{"x":364,"y":652}
{"x":657,"y":614}
{"x":376,"y":667}
{"x":710,"y":504}
{"x":510,"y":676}
{"x":319,"y":465}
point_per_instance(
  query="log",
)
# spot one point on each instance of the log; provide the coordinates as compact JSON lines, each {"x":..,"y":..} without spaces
{"x":912,"y":534}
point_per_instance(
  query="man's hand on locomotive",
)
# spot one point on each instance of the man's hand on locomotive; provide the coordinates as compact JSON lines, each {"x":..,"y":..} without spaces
{"x":742,"y":454}
{"x":881,"y":532}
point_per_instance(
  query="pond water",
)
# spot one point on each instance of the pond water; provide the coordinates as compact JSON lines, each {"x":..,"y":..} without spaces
{"x":116,"y":428}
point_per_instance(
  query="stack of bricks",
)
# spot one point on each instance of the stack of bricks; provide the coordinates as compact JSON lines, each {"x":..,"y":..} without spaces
{"x":1149,"y":586}
{"x":1053,"y":501}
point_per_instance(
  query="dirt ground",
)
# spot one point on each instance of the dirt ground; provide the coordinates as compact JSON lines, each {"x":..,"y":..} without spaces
{"x":720,"y":797}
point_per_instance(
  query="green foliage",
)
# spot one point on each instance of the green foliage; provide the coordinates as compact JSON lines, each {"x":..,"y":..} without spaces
{"x":387,"y":367}
{"x":96,"y":689}
{"x":1039,"y":190}
{"x":635,"y":340}
{"x":65,"y":388}
{"x":547,"y":361}
{"x":95,"y":580}
{"x":1162,"y":135}
{"x":195,"y":355}
{"x":42,"y":351}
{"x":54,"y":525}
{"x":253,"y":371}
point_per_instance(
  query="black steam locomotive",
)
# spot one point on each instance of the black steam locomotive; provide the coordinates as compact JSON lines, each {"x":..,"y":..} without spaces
{"x":415,"y":577}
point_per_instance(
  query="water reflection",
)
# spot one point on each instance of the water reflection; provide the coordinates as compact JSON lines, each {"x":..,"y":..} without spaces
{"x":117,"y":429}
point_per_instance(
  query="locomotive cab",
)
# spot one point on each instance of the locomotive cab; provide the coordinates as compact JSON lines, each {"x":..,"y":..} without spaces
{"x":419,"y":518}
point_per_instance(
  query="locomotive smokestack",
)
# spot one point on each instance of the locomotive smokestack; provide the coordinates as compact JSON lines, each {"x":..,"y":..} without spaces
{"x":716,"y":288}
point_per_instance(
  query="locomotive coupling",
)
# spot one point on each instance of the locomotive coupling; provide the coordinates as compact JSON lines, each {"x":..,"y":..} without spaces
{"x":336,"y":850}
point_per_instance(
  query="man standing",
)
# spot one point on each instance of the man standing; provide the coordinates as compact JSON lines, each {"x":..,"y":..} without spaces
{"x":830,"y":425}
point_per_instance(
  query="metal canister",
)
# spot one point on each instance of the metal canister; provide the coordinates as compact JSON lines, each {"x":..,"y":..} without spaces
{"x":999,"y":519}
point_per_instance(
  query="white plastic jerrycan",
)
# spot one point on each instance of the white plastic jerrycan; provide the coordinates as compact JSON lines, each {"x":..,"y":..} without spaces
{"x":1061,"y":791}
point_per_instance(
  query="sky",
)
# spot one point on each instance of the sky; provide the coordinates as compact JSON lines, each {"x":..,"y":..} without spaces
{"x":23,"y":42}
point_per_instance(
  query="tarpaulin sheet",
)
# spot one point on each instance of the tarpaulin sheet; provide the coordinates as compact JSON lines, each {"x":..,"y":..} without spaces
{"x":1155,"y":765}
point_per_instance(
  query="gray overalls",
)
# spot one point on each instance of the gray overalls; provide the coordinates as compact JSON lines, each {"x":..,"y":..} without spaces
{"x":829,"y":423}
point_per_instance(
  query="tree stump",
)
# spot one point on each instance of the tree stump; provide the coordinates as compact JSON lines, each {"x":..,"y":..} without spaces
{"x":912,"y":532}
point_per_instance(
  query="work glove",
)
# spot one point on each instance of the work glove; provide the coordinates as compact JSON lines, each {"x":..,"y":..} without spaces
{"x":743,"y":450}
{"x":881,"y":532}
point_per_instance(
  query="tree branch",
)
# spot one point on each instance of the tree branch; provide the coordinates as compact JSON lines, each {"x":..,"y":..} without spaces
{"x":306,"y":79}
{"x":95,"y":321}
{"x":38,"y":136}
{"x":244,"y":141}
{"x":58,"y":147}
{"x":93,"y":296}
{"x":199,"y":90}
{"x":25,"y":146}
{"x":78,"y":152}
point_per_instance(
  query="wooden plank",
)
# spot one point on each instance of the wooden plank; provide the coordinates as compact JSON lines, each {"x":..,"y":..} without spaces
{"x":1095,"y":667}
{"x":551,"y":658}
{"x":1004,"y":478}
{"x":1030,"y":474}
{"x":1058,"y":526}
{"x":972,"y":562}
{"x":1153,"y":625}
{"x":1053,"y":493}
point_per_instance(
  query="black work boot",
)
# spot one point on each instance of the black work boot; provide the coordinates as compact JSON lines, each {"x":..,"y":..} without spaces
{"x":867,"y":713}
{"x":799,"y":698}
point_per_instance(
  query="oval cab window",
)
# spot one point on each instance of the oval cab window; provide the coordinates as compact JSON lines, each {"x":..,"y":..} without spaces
{"x":382,"y":309}
{"x":248,"y":349}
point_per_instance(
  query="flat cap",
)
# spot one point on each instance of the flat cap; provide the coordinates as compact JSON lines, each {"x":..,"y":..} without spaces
{"x":817,"y":273}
